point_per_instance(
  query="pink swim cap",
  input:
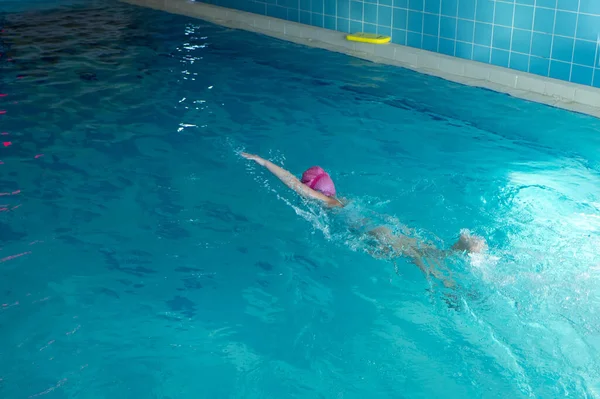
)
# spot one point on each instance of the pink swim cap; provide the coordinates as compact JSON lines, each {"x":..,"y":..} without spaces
{"x":317,"y":179}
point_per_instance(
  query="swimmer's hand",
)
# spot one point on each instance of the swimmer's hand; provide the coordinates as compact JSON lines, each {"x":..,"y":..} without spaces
{"x":254,"y":158}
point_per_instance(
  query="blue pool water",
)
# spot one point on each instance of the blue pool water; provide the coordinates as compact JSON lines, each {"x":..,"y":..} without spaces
{"x":141,"y":257}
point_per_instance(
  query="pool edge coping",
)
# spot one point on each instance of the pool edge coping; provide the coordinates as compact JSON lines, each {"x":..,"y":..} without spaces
{"x":527,"y":86}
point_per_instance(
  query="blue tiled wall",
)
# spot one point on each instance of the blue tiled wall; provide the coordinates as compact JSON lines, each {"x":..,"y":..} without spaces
{"x":555,"y":38}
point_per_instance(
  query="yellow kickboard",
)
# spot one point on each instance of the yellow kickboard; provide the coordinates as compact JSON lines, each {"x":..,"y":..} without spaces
{"x":368,"y":38}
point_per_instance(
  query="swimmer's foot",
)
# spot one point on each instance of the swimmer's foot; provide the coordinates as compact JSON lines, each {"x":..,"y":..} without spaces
{"x":470,"y":243}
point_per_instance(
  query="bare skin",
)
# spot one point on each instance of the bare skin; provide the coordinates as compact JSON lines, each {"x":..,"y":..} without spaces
{"x":427,"y":257}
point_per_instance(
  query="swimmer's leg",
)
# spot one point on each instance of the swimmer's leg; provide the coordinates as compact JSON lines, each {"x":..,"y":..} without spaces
{"x":421,"y":254}
{"x":427,"y":257}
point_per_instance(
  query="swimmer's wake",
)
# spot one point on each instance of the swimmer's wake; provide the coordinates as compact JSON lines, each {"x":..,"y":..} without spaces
{"x":383,"y":241}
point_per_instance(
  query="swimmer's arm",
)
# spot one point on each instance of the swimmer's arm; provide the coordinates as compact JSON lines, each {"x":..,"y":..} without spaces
{"x":291,"y":181}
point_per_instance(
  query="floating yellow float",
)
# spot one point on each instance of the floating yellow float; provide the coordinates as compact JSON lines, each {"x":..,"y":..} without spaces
{"x":368,"y":38}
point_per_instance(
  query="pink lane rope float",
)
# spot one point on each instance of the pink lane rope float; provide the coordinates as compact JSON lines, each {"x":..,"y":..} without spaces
{"x":4,"y":194}
{"x":8,"y":208}
{"x":11,"y":257}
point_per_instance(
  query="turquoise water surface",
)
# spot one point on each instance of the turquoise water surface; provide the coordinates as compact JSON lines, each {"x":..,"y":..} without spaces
{"x":141,"y":257}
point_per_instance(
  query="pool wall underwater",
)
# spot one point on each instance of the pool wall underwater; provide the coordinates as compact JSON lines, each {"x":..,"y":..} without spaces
{"x":525,"y":85}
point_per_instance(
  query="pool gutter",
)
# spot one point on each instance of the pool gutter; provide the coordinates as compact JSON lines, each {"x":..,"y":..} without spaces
{"x":557,"y":93}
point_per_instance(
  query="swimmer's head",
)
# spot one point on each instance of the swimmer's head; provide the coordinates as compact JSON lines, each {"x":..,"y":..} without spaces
{"x":317,"y":179}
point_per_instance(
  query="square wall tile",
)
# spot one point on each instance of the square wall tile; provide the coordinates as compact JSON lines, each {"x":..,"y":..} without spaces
{"x":343,"y":9}
{"x":304,"y":17}
{"x":317,"y":6}
{"x":448,"y":27}
{"x":356,"y":10}
{"x":258,"y":8}
{"x":276,"y":11}
{"x":316,"y":20}
{"x":446,"y":46}
{"x":431,"y":25}
{"x":450,"y":8}
{"x":560,"y":70}
{"x":430,"y":43}
{"x":415,"y":21}
{"x":464,"y":50}
{"x":524,"y":17}
{"x":541,"y":45}
{"x":484,"y":11}
{"x":503,"y":14}
{"x":570,"y":5}
{"x":588,"y":27}
{"x":330,"y":7}
{"x":399,"y":36}
{"x":596,"y":82}
{"x":330,"y":22}
{"x":565,"y":23}
{"x":414,"y":39}
{"x":519,"y":62}
{"x":539,"y":66}
{"x":289,"y":3}
{"x":416,"y":5}
{"x":587,"y":6}
{"x":483,"y":34}
{"x":500,"y":57}
{"x":356,"y":26}
{"x":384,"y":16}
{"x":400,"y":17}
{"x":343,"y":25}
{"x":293,"y":15}
{"x":370,"y":13}
{"x":562,"y":48}
{"x":433,"y":6}
{"x":544,"y":20}
{"x":481,"y":53}
{"x":501,"y":38}
{"x":546,"y":3}
{"x":384,"y":30}
{"x":466,"y":9}
{"x":521,"y":41}
{"x":369,"y":28}
{"x":464,"y":30}
{"x":585,"y":53}
{"x":582,"y":75}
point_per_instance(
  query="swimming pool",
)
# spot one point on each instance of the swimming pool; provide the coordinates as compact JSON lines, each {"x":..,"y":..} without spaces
{"x":142,"y":257}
